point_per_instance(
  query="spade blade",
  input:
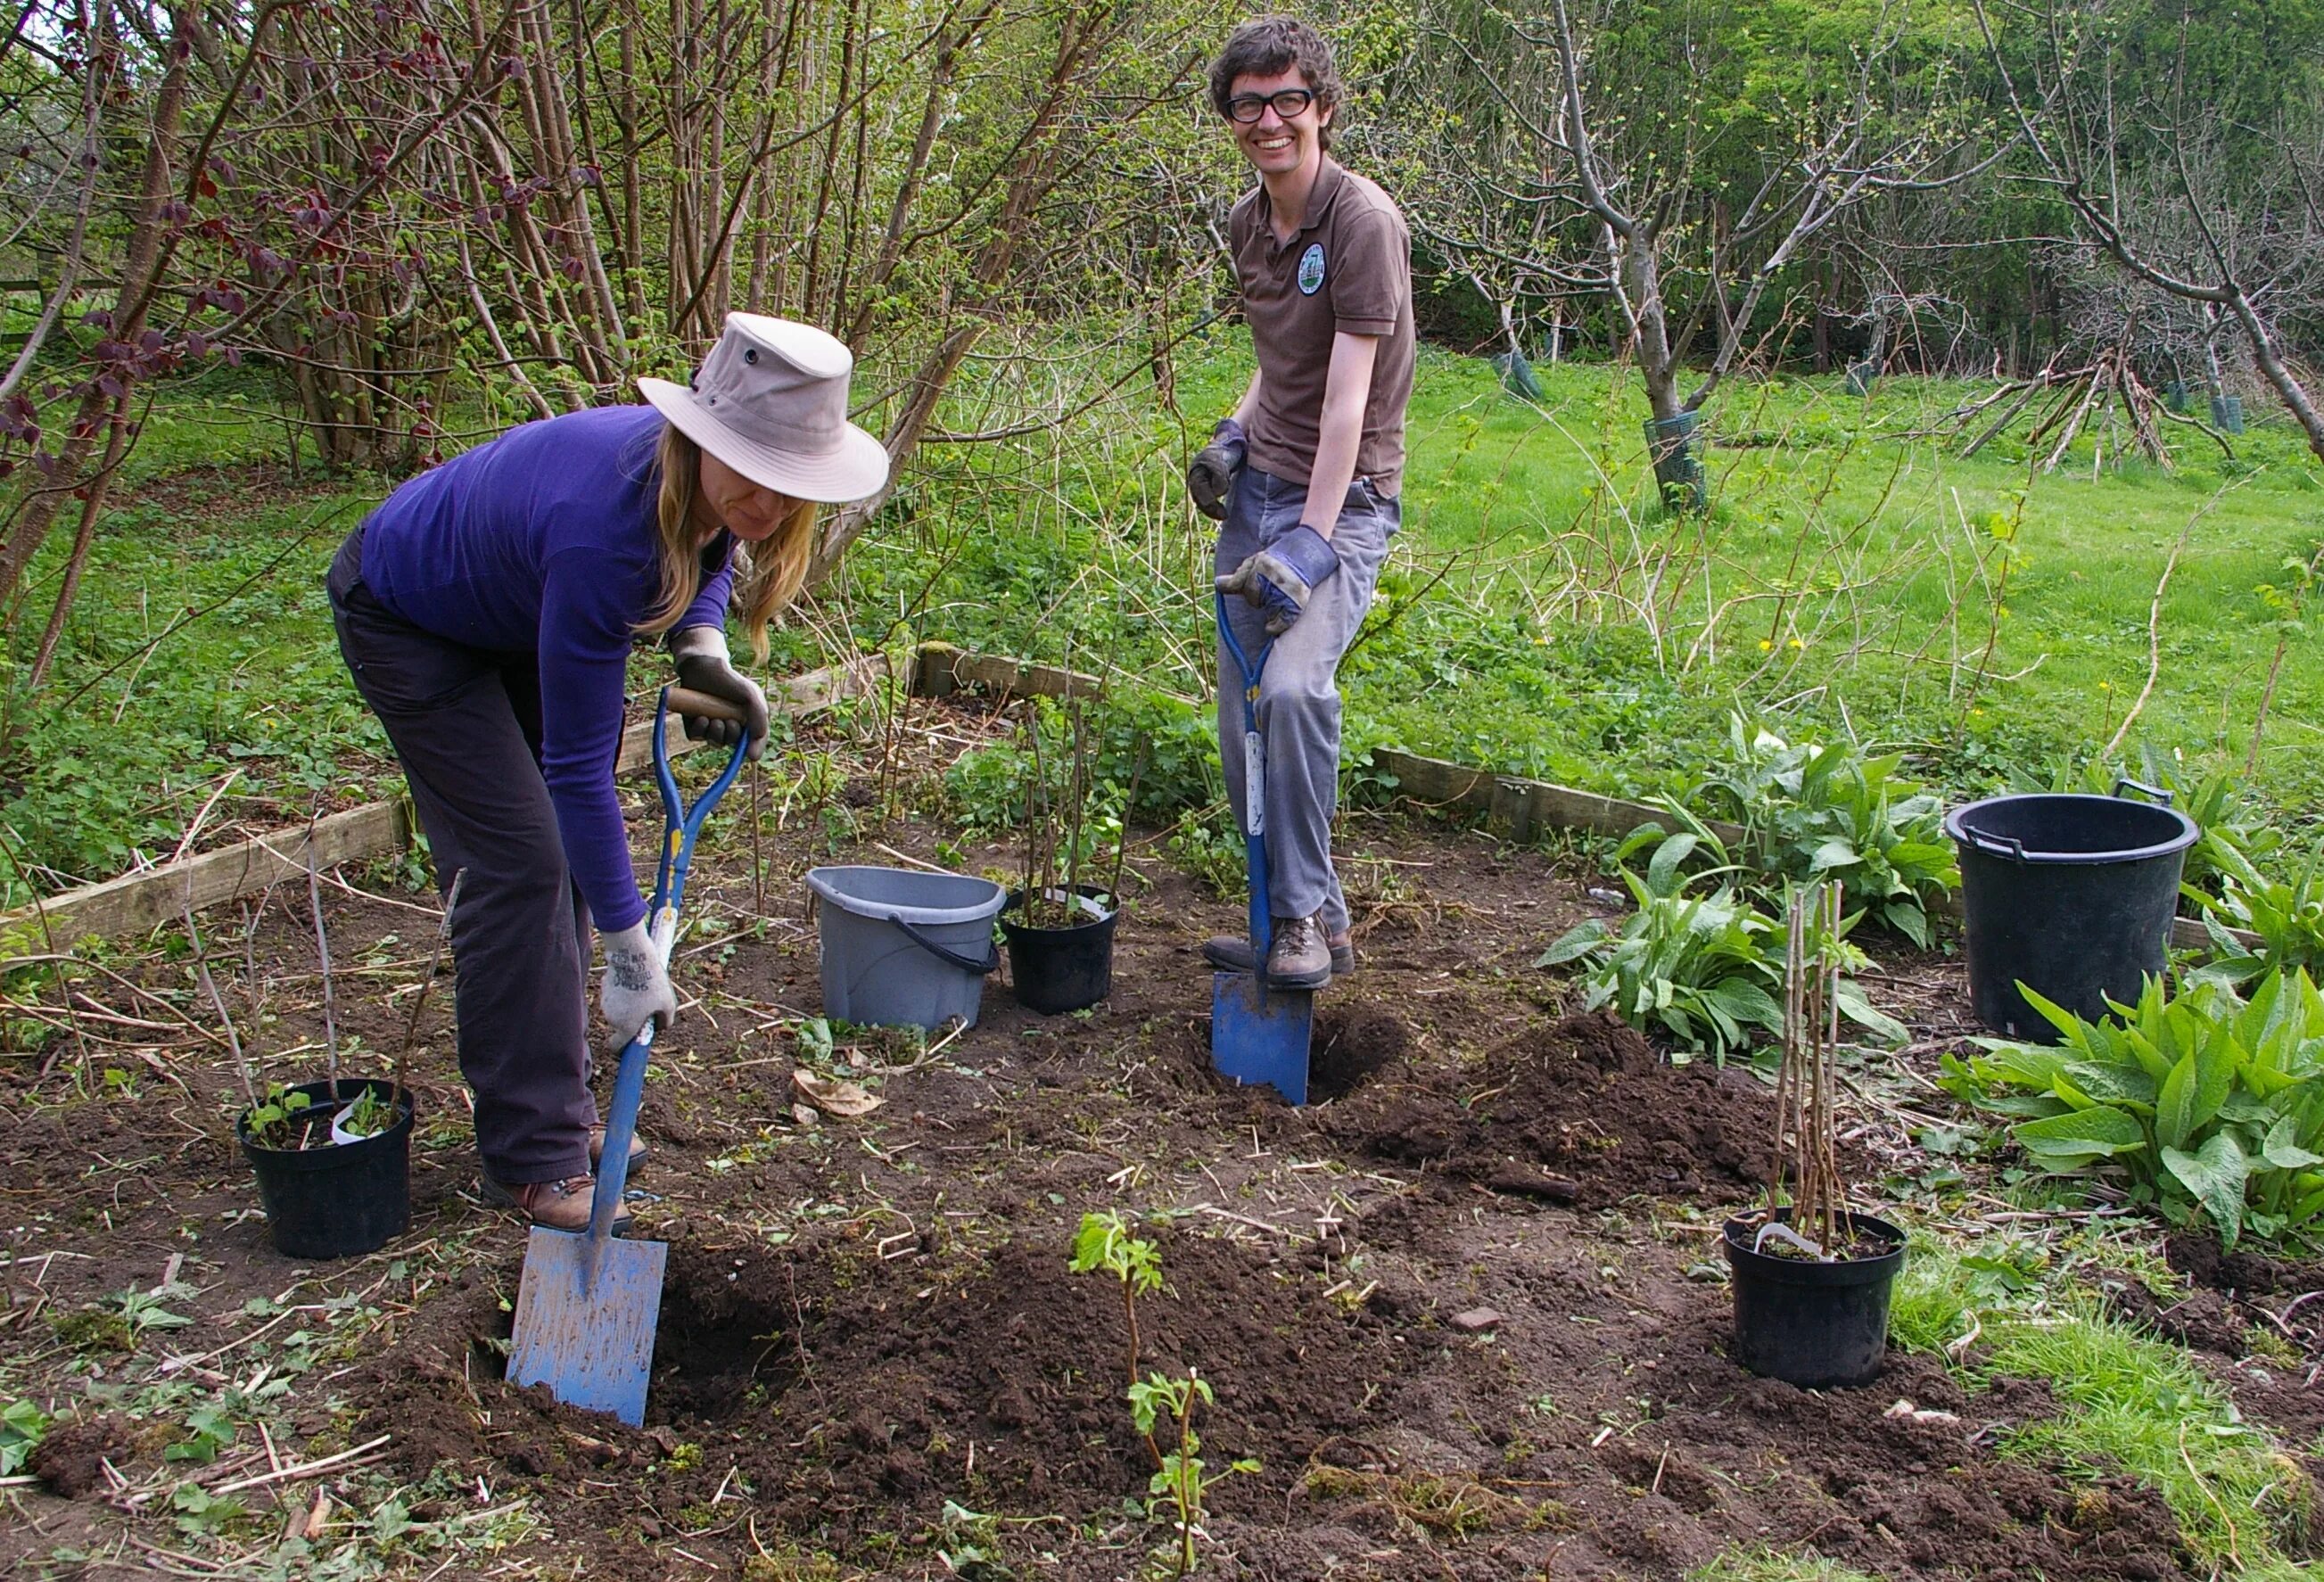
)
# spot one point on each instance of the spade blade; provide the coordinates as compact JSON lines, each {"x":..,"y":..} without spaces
{"x":1261,"y":1035}
{"x":586,"y":1315}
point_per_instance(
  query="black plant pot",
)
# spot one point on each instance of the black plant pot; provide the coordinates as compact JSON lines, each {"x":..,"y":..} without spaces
{"x":1819,"y":1326}
{"x":336,"y":1200}
{"x":1056,"y":969}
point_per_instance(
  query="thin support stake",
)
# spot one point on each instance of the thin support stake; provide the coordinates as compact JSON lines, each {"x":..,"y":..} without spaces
{"x":323,"y":951}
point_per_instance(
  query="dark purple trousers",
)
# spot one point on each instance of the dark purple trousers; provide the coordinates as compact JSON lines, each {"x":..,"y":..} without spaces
{"x":466,"y":724}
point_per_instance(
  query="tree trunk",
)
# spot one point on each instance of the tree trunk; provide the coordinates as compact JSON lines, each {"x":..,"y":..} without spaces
{"x":140,"y":258}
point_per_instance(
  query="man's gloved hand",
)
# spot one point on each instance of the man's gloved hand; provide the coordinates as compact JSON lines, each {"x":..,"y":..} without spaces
{"x":704,"y":666}
{"x":1211,"y":475}
{"x":1280,"y":578}
{"x":634,"y":989}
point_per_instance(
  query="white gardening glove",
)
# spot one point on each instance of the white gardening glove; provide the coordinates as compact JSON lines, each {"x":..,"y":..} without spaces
{"x":634,"y":989}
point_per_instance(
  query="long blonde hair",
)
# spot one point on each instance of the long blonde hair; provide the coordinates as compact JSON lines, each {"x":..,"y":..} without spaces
{"x":768,"y":575}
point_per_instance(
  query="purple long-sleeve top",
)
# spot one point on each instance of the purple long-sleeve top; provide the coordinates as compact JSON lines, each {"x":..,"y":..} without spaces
{"x":542,"y":541}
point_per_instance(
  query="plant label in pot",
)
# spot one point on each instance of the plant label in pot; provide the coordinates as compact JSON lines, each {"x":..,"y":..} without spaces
{"x":335,"y":1198}
{"x":1053,"y":969}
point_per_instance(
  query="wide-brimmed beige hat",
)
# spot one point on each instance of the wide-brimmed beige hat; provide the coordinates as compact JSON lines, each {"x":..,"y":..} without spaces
{"x":771,"y":401}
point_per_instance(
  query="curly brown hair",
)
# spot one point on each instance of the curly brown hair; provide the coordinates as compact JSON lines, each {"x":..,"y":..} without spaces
{"x":1266,"y":46}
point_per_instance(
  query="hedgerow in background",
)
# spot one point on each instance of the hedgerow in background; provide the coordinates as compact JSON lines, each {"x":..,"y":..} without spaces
{"x":2203,"y":1106}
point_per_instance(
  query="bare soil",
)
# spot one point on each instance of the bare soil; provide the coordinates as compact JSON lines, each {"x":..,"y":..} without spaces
{"x":870,"y":1346}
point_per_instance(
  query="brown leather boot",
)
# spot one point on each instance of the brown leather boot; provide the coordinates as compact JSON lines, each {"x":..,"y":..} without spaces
{"x":560,"y":1205}
{"x":638,"y":1149}
{"x":1299,"y":957}
{"x":1232,"y":953}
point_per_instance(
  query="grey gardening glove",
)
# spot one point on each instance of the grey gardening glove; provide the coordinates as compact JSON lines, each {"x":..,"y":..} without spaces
{"x":634,"y":989}
{"x":1211,"y":475}
{"x":1281,"y":578}
{"x":704,"y":664}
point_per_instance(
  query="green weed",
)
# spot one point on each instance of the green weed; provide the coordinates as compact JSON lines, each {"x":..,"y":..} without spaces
{"x":2140,"y":1407}
{"x":22,"y":1426}
{"x":2288,"y":916}
{"x":1697,"y":967}
{"x":2209,"y":1105}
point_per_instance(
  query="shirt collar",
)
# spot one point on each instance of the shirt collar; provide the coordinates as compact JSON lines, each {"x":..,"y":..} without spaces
{"x":1329,"y":177}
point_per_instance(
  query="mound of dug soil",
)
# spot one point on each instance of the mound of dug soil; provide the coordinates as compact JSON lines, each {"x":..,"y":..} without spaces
{"x":1582,"y":1111}
{"x":846,"y":1389}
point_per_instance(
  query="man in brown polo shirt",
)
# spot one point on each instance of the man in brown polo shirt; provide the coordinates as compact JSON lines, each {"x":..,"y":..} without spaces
{"x":1303,"y":478}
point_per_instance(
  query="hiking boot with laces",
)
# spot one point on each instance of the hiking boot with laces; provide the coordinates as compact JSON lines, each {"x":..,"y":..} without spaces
{"x":638,"y":1153}
{"x":1300,"y":957}
{"x":504,"y":1197}
{"x":1232,"y":953}
{"x":559,"y":1205}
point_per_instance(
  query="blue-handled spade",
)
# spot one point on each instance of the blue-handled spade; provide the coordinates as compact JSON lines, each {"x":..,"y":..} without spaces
{"x":589,"y":1303}
{"x":1258,"y":1034}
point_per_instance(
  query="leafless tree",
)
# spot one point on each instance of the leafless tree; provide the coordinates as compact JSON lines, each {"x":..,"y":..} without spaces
{"x":1620,"y":183}
{"x":2136,"y":168}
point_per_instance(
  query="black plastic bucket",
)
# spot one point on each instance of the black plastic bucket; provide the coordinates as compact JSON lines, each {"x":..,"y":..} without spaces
{"x":1671,"y":446}
{"x":1819,"y":1326}
{"x":1056,"y":969}
{"x":2071,"y":895}
{"x":339,"y":1199}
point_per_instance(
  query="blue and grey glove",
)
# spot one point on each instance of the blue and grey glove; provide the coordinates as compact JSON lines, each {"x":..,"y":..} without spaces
{"x":1211,"y":475}
{"x":1281,"y":578}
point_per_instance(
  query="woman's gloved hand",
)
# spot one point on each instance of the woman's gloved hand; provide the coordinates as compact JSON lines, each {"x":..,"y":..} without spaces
{"x":1211,"y":475}
{"x":704,"y":666}
{"x":634,"y":989}
{"x":1280,"y":578}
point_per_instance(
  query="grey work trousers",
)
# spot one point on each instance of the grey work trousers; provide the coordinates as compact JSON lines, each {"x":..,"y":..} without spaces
{"x":465,"y":722}
{"x":1299,"y":692}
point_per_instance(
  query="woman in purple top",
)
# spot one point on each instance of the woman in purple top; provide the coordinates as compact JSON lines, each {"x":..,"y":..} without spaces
{"x":488,"y":611}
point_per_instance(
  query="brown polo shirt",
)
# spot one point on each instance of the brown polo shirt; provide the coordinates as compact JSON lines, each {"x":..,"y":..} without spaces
{"x":1348,"y":267}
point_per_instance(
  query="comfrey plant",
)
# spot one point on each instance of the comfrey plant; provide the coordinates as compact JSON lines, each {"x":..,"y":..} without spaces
{"x":2204,"y":1105}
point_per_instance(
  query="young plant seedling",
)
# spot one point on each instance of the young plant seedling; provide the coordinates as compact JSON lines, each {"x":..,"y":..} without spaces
{"x":368,"y":1116}
{"x":1179,"y":1480}
{"x":1104,"y":1245}
{"x":279,"y":1119}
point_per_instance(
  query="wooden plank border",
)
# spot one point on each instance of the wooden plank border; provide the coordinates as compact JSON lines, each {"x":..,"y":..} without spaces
{"x":136,"y":902}
{"x":940,"y":670}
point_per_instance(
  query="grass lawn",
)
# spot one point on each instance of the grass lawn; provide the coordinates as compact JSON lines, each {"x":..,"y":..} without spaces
{"x":1541,"y":615}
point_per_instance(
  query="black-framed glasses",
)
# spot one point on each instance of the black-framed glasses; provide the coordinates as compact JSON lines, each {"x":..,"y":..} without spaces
{"x":1247,"y":108}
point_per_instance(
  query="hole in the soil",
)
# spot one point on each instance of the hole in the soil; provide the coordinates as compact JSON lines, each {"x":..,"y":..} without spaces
{"x":729,"y":1336}
{"x":1350,"y":1045}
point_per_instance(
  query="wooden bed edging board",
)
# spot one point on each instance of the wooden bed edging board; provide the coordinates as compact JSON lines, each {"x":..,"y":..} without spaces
{"x":1520,"y":808}
{"x":136,"y":902}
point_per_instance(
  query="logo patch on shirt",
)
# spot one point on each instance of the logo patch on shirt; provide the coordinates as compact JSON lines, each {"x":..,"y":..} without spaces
{"x":1310,"y":270}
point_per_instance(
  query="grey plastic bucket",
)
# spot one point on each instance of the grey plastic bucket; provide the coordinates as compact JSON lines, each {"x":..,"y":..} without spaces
{"x":905,"y":948}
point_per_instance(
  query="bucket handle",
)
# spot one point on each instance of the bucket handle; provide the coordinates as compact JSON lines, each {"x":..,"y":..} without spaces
{"x":2155,"y":792}
{"x":2008,"y":846}
{"x":968,"y":964}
